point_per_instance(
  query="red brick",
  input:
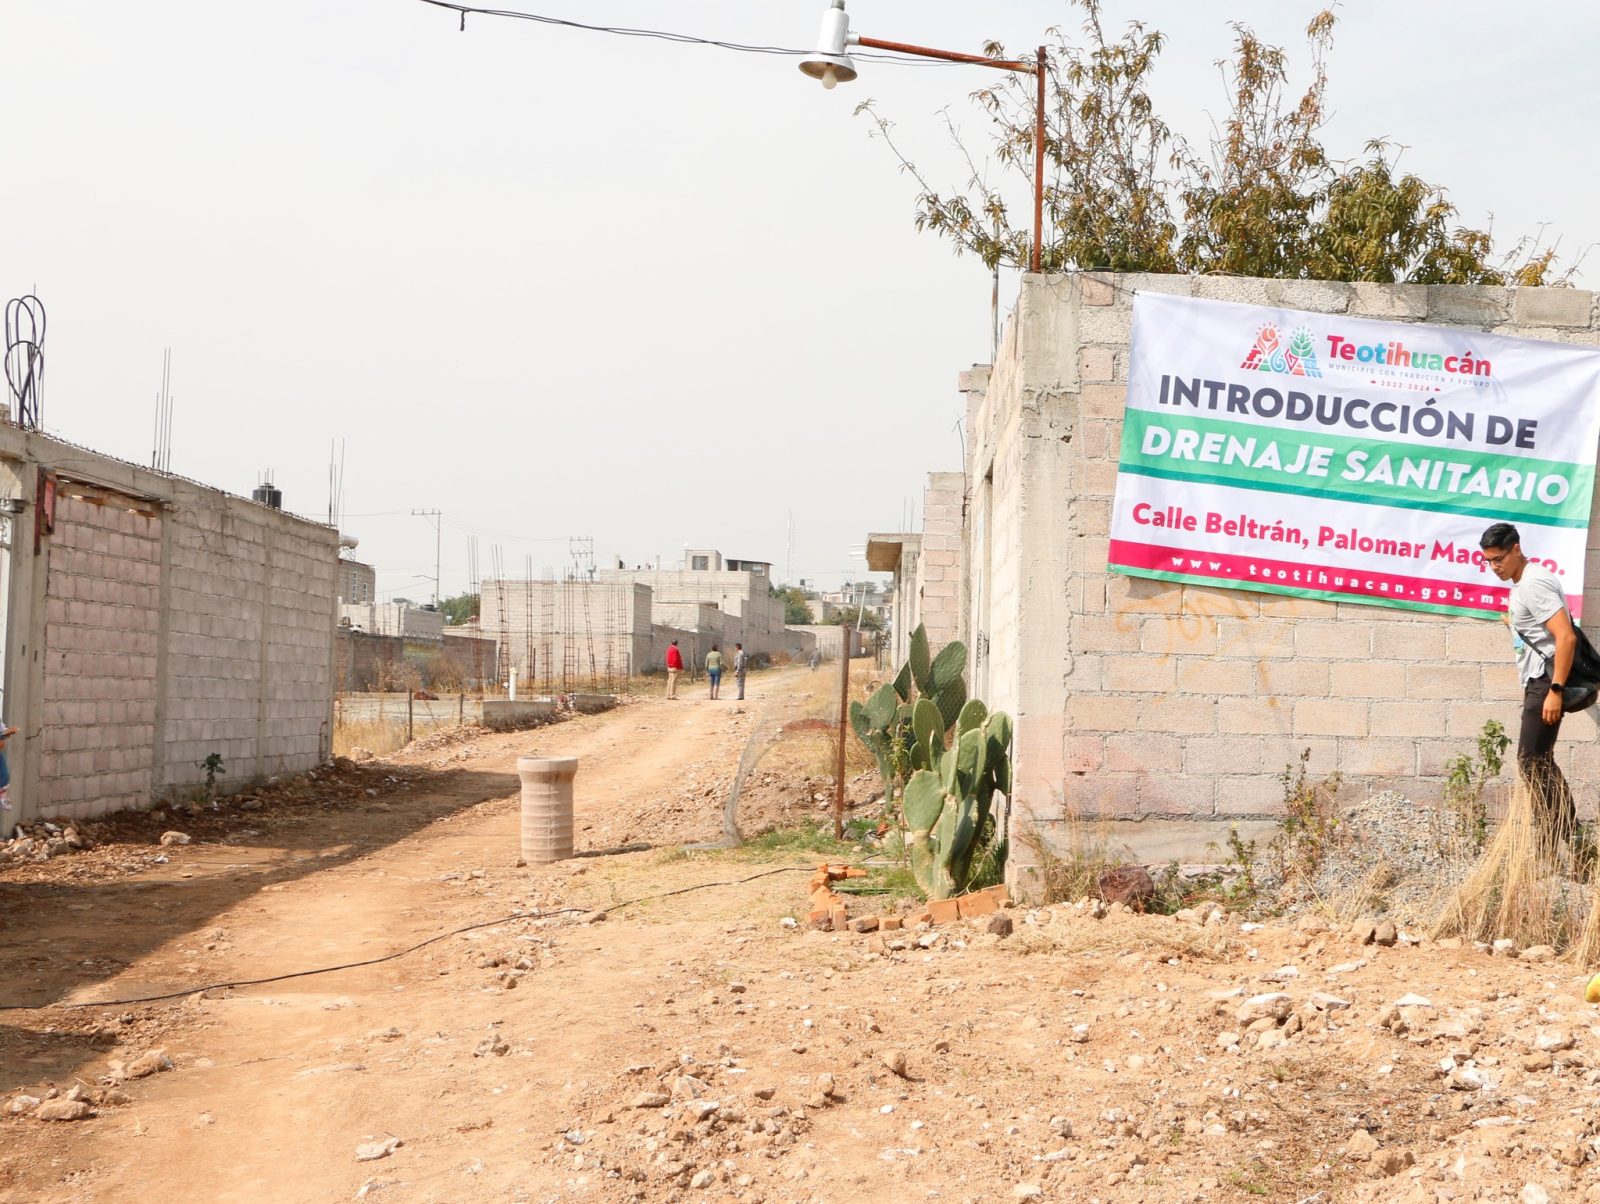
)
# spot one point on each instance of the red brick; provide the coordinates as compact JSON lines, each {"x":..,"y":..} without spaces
{"x":944,"y":911}
{"x":980,"y":904}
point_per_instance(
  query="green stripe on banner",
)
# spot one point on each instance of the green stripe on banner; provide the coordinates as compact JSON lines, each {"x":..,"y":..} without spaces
{"x":1301,"y":591}
{"x":1190,"y":447}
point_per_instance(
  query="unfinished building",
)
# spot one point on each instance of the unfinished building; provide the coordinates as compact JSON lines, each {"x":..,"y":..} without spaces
{"x":1168,"y":709}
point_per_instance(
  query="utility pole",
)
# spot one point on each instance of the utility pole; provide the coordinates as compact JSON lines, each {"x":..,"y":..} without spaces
{"x":436,"y":517}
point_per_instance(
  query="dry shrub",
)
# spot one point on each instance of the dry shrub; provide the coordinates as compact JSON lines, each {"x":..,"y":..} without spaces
{"x":377,"y":736}
{"x":1070,"y":872}
{"x":1525,"y":887}
{"x":1368,"y":896}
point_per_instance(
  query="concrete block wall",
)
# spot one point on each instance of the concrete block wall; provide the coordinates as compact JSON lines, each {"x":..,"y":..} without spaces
{"x":363,"y":661}
{"x":249,"y":643}
{"x":155,"y":622}
{"x":1146,"y":700}
{"x":302,"y":585}
{"x":218,"y":593}
{"x":754,"y":616}
{"x":102,"y":615}
{"x":939,"y":569}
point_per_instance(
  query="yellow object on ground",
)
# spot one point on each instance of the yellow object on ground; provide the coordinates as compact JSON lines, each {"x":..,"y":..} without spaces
{"x":1591,"y":993}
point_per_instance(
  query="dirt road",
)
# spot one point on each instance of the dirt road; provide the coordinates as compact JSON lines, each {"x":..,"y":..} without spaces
{"x":701,"y":1045}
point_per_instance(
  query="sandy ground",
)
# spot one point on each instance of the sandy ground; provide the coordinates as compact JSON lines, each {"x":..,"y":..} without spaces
{"x":704,"y":1046}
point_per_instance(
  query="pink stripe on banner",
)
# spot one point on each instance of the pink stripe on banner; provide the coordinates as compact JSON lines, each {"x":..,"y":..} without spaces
{"x":1220,"y":568}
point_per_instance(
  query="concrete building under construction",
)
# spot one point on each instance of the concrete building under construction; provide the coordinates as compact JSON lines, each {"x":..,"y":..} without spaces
{"x":557,"y":634}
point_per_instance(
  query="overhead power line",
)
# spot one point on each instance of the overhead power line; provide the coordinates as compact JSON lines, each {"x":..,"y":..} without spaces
{"x":670,"y":36}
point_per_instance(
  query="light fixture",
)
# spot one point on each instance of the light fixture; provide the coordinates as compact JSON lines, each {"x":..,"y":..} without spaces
{"x":833,"y":66}
{"x":830,"y":63}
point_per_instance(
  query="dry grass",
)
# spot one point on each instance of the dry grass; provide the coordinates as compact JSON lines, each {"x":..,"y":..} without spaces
{"x":378,"y":736}
{"x":1069,"y":874}
{"x":1524,"y":888}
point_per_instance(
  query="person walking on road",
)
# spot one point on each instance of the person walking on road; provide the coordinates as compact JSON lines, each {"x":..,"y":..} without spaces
{"x":714,"y":670}
{"x":1543,"y":643}
{"x":741,"y":663}
{"x":674,"y":667}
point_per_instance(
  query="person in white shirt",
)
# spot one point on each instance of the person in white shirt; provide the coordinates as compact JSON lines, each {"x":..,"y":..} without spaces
{"x":1543,"y":641}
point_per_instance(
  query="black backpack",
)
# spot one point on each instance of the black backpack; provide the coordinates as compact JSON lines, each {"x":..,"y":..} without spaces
{"x":1583,"y":682}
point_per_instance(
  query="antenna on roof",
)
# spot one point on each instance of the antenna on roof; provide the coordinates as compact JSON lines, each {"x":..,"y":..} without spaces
{"x":161,"y":449}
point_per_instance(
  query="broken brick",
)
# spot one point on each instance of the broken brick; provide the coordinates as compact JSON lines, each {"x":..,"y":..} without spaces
{"x":943,"y":911}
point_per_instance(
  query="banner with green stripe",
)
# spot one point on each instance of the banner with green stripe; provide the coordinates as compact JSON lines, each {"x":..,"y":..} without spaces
{"x":1331,"y":456}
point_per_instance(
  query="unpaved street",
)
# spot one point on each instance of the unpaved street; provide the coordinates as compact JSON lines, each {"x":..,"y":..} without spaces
{"x":696,"y":1046}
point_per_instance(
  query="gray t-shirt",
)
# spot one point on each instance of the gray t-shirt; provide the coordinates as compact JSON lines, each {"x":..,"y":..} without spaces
{"x":1533,"y":600}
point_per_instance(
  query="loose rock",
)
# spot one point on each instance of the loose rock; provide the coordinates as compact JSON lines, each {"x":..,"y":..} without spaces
{"x":63,"y":1109}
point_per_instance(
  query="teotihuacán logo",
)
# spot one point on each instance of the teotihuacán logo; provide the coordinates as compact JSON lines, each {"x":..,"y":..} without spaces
{"x":1269,"y":354}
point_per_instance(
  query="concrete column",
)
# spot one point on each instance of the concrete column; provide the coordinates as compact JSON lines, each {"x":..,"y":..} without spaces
{"x":158,"y":764}
{"x":263,"y":691}
{"x":546,"y":807}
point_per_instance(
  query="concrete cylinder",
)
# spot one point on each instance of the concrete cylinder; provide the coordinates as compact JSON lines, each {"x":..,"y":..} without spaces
{"x":546,"y":807}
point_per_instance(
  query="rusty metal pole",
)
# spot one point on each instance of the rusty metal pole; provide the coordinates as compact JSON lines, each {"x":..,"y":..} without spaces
{"x":410,"y":695}
{"x":1035,"y":69}
{"x":844,"y":714}
{"x":1038,"y":165}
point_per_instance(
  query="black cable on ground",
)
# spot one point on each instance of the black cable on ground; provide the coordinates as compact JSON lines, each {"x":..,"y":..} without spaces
{"x":398,"y":953}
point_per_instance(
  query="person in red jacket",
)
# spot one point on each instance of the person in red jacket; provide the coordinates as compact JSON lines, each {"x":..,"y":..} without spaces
{"x":674,"y":667}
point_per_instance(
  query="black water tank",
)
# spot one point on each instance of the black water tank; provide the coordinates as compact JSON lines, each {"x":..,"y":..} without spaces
{"x":268,"y":495}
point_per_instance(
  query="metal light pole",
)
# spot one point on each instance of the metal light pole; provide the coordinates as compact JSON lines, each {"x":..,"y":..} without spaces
{"x":832,"y":66}
{"x":437,"y":518}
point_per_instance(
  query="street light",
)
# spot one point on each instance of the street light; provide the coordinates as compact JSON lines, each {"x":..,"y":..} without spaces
{"x":832,"y":65}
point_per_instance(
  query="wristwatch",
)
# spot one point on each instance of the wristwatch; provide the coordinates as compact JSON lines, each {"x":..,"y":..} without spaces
{"x":1556,"y":686}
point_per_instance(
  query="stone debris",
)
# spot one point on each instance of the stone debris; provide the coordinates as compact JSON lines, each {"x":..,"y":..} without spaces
{"x":146,"y":1064}
{"x":63,"y":1109}
{"x":494,"y":1045}
{"x":1275,"y":1005}
{"x":1130,"y":885}
{"x":171,"y":838}
{"x":371,"y":1151}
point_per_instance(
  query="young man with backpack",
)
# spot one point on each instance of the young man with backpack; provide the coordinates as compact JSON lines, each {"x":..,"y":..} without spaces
{"x":1544,"y":643}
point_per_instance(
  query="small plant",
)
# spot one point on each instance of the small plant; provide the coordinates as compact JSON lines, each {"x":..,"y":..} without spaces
{"x":1309,"y":827}
{"x":1242,"y":856}
{"x":213,"y":767}
{"x":1465,"y":779}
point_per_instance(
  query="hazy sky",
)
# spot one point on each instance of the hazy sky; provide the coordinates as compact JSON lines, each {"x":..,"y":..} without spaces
{"x":558,"y":283}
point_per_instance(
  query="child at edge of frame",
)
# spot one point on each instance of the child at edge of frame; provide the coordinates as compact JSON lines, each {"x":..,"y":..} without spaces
{"x":6,"y":732}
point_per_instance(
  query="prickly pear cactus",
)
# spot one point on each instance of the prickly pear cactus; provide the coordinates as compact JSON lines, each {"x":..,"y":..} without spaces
{"x":949,"y":754}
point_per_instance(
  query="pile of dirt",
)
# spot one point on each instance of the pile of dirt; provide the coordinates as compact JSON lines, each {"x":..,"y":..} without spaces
{"x":125,"y":842}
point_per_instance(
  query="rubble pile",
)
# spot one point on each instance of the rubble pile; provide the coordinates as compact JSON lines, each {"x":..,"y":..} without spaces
{"x":122,"y":841}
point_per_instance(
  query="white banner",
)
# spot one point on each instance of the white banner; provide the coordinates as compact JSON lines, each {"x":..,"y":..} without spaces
{"x":1341,"y":458}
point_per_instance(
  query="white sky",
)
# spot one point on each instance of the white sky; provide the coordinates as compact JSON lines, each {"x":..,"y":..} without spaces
{"x":558,"y":283}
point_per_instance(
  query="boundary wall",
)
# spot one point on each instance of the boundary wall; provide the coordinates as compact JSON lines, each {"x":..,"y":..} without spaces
{"x":148,"y":622}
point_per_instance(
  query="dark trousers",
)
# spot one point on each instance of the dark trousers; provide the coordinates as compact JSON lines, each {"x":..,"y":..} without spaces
{"x":1536,"y":757}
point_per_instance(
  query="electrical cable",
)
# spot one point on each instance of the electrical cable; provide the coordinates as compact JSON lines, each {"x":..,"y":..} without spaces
{"x":398,"y":953}
{"x":24,"y":358}
{"x":680,"y":38}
